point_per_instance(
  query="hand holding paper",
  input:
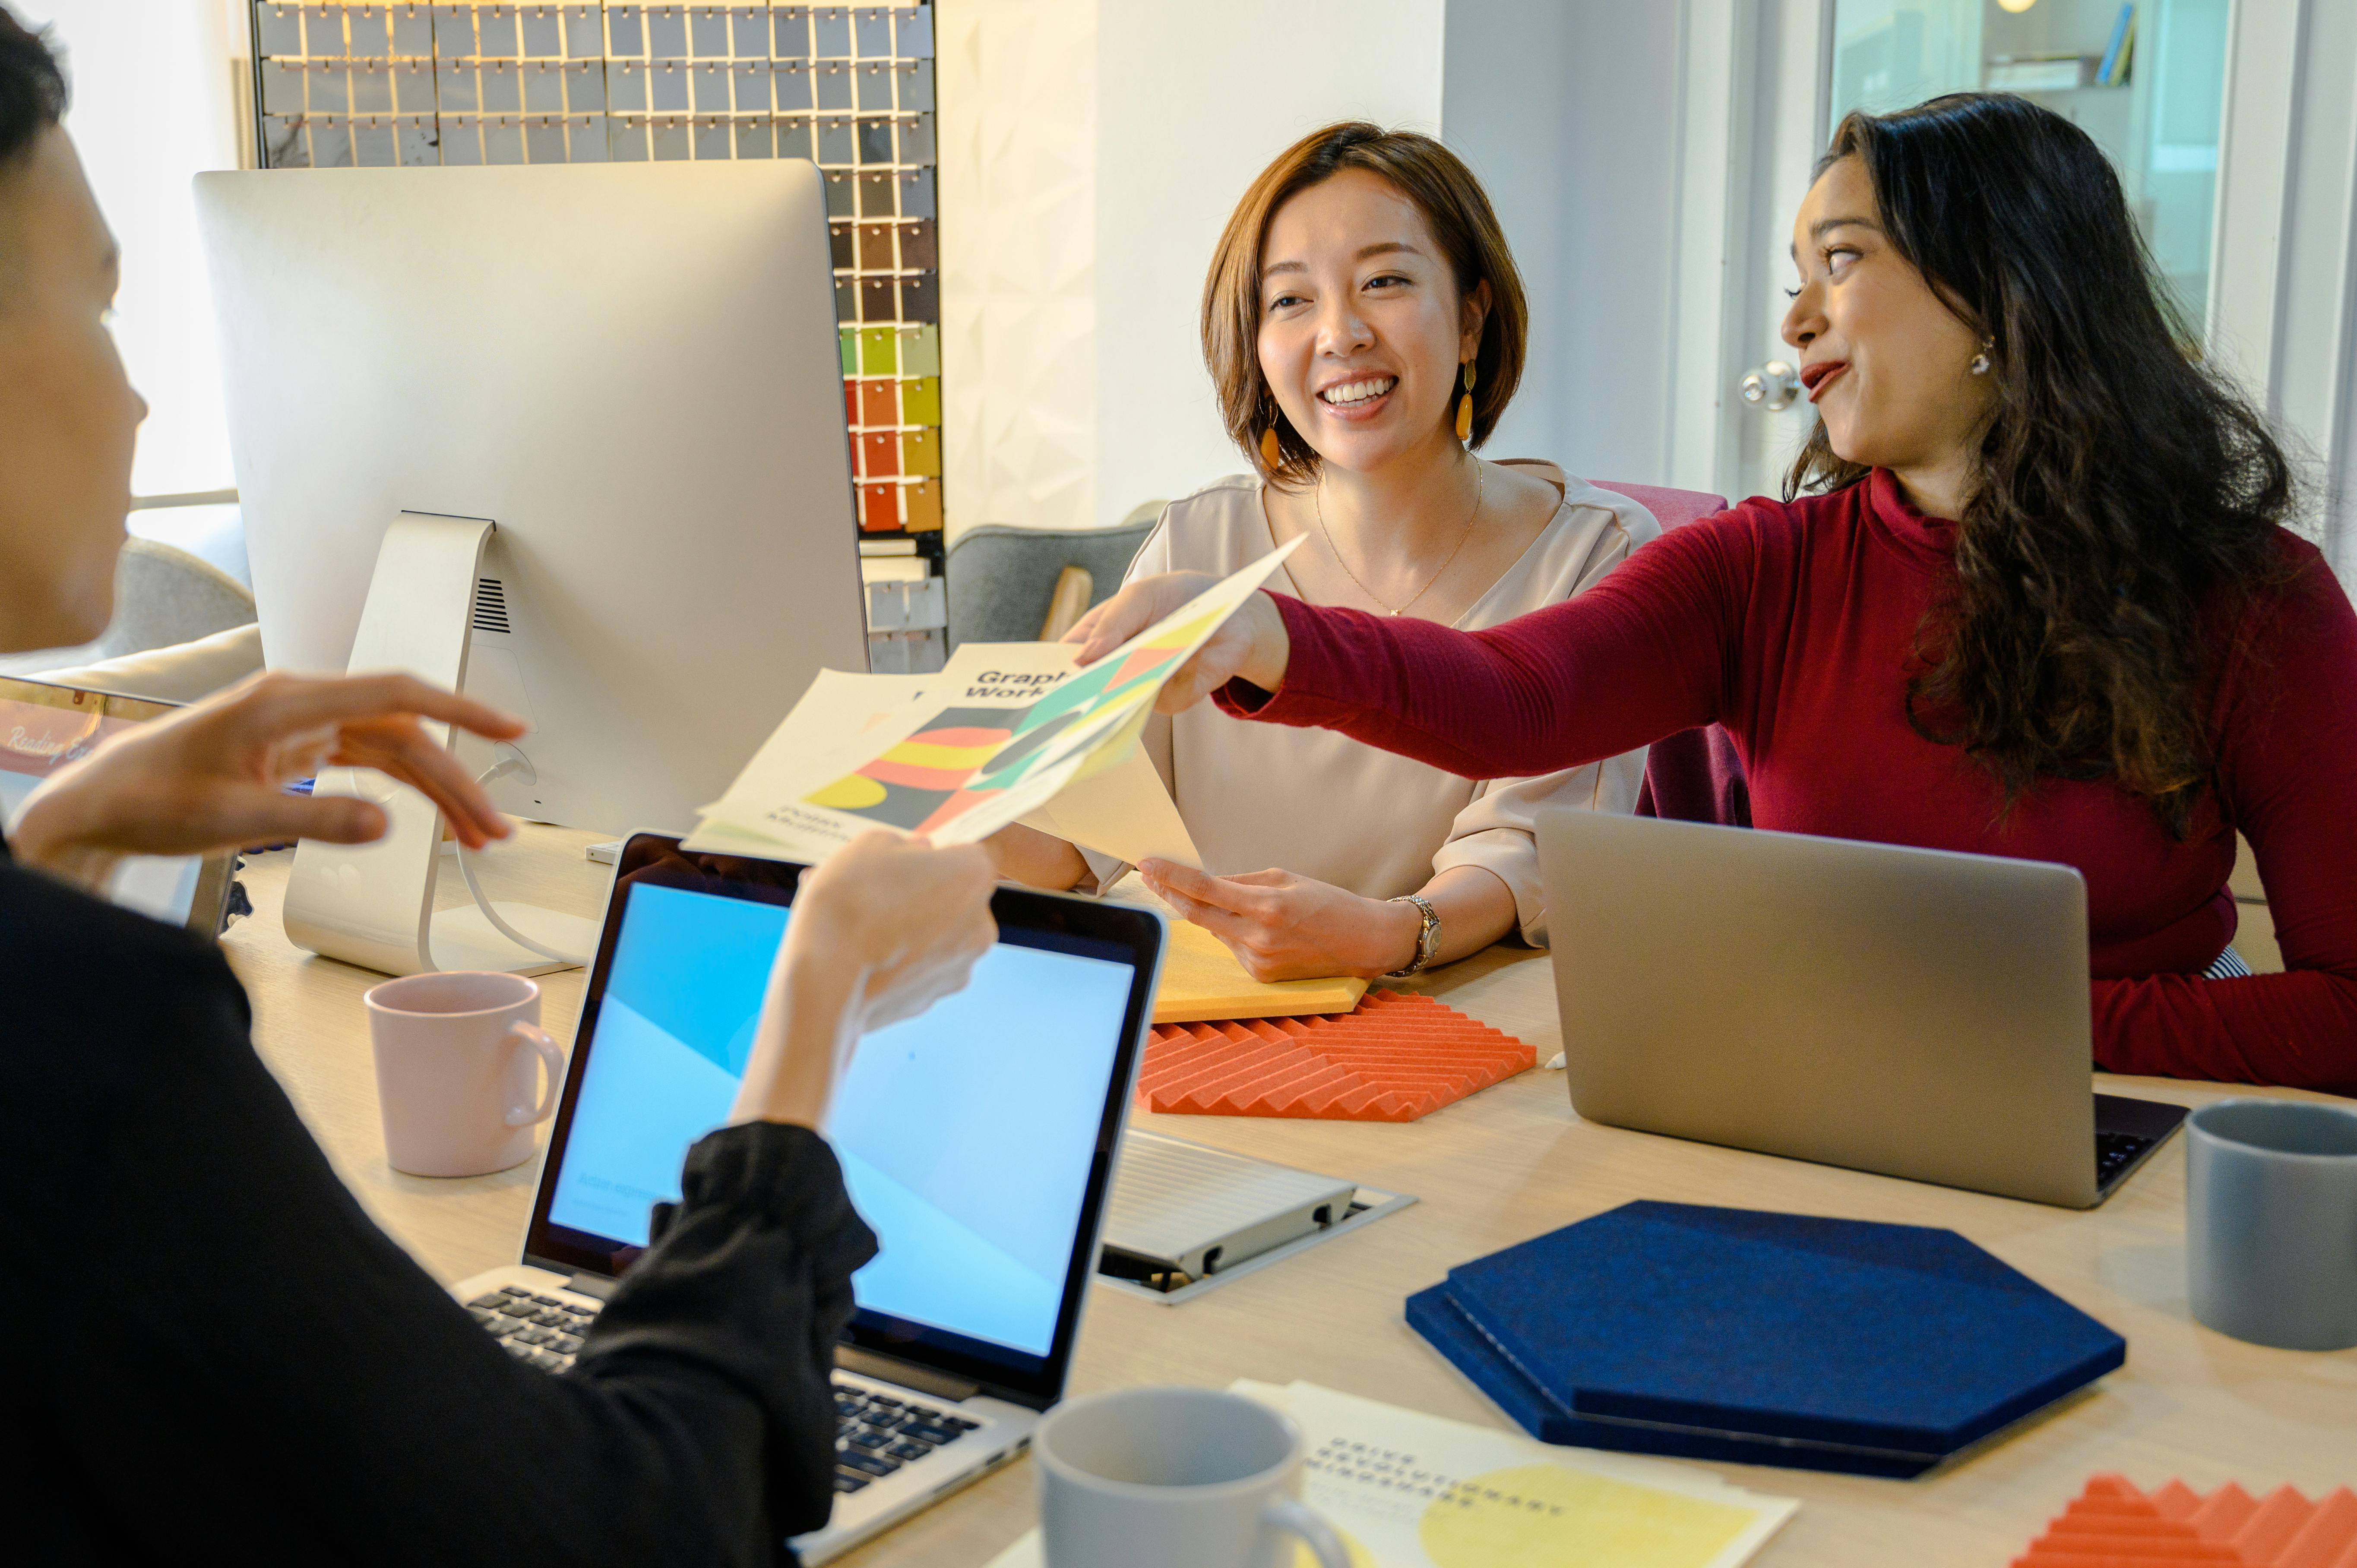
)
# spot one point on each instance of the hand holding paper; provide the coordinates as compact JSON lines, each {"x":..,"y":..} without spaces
{"x":1250,"y":643}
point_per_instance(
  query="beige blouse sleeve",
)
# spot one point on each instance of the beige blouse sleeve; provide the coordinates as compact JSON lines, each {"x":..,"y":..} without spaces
{"x":1497,"y":830}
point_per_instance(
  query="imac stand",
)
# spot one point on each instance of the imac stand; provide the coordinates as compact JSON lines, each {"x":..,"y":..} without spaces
{"x":372,"y":904}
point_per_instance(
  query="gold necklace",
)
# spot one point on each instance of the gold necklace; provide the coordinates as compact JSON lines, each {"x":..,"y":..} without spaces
{"x":1479,"y":477}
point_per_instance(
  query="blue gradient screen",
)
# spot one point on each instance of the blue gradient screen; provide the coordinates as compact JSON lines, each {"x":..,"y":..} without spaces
{"x":965,"y":1134}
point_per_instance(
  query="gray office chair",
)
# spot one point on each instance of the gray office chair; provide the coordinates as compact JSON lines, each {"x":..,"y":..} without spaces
{"x":163,"y":597}
{"x":1001,"y":578}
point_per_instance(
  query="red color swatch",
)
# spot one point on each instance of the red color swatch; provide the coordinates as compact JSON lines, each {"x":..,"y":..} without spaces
{"x":1395,"y":1059}
{"x":2113,"y":1525}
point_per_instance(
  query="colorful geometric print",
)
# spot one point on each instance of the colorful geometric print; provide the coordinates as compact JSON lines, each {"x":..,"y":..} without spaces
{"x":966,"y":755}
{"x":907,"y":785}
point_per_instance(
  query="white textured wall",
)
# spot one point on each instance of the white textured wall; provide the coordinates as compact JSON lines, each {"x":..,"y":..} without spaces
{"x":1018,"y":169}
{"x":154,"y":104}
{"x":1195,"y":99}
{"x":1568,"y":114}
{"x":1091,"y":150}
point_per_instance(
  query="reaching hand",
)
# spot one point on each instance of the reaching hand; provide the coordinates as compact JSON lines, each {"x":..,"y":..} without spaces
{"x":1251,"y":643}
{"x":883,"y":930}
{"x":1283,"y":927}
{"x":910,"y":919}
{"x":212,"y":776}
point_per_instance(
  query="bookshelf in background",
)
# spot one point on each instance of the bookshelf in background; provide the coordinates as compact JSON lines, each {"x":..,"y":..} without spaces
{"x":849,"y":87}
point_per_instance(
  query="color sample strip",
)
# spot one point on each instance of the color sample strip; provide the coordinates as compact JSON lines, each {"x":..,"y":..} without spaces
{"x":2113,"y":1525}
{"x":1395,"y":1057}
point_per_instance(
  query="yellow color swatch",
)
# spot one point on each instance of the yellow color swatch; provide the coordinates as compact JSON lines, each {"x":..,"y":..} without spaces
{"x":920,"y":401}
{"x":879,"y":351}
{"x":921,"y":452}
{"x":924,"y":505}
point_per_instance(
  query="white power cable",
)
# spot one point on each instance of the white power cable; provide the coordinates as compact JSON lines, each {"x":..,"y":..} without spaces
{"x":510,"y":761}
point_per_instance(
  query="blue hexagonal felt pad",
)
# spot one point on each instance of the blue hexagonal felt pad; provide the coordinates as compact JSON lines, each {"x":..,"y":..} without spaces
{"x":1761,"y":1338}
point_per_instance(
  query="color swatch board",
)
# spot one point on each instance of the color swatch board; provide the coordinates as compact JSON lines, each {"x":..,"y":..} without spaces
{"x":1395,"y":1057}
{"x":2112,"y":1524}
{"x":849,"y":87}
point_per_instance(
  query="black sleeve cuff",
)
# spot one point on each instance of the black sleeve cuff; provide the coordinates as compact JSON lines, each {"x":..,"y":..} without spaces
{"x":748,"y":1280}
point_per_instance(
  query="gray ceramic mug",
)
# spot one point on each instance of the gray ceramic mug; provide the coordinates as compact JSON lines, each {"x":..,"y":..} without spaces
{"x":1174,"y":1478}
{"x":2271,"y":1221}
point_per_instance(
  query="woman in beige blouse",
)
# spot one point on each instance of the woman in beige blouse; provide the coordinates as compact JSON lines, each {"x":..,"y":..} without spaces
{"x":1363,"y":324}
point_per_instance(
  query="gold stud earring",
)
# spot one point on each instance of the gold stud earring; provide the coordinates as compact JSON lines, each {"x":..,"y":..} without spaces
{"x":1465,"y":407}
{"x":1271,"y":456}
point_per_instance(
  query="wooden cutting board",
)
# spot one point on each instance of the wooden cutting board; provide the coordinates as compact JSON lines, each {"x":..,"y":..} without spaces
{"x":1202,"y":980}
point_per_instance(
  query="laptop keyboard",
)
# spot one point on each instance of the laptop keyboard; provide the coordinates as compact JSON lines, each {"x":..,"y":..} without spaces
{"x":536,"y":1328}
{"x":2114,"y":1152}
{"x":876,"y":1432}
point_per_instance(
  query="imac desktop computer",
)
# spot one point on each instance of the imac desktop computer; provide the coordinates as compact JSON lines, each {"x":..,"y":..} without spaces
{"x":571,"y":438}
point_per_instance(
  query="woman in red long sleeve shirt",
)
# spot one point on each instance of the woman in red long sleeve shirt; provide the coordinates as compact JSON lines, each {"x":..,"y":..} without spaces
{"x":2029,"y":594}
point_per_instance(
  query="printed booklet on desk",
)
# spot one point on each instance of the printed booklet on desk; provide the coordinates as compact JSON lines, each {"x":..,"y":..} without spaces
{"x":1410,"y":1490}
{"x":1006,"y":732}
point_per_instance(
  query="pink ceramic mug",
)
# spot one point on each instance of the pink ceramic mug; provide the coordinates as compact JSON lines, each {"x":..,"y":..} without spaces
{"x":457,"y":1055}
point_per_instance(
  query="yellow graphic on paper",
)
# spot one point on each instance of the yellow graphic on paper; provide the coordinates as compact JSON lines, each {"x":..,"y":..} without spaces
{"x":1545,"y":1516}
{"x":850,"y":793}
{"x":1360,"y":1556}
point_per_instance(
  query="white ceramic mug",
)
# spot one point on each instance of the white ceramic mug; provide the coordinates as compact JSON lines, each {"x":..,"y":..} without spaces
{"x":1174,"y":1478}
{"x":464,"y":1071}
{"x":2271,"y":1221}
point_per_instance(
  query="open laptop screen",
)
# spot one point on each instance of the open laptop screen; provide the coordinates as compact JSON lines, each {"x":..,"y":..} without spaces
{"x":973,"y":1139}
{"x":45,"y":726}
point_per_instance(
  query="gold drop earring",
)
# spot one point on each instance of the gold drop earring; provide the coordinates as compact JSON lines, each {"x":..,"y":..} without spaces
{"x":1980,"y":366}
{"x":1465,"y":408}
{"x":1272,"y":450}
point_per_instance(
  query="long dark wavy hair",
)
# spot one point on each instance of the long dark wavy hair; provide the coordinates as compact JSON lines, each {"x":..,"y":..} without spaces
{"x":2126,"y":496}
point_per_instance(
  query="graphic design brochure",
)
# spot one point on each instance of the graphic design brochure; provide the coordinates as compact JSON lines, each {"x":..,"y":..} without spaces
{"x":1006,"y":731}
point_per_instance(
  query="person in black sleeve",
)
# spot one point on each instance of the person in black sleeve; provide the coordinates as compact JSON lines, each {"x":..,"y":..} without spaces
{"x":205,"y":1337}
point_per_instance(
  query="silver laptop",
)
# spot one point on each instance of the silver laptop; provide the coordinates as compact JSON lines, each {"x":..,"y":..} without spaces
{"x":1910,"y":1011}
{"x":977,"y":1141}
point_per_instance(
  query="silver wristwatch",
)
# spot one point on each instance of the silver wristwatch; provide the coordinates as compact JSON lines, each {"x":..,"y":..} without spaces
{"x":1427,"y":941}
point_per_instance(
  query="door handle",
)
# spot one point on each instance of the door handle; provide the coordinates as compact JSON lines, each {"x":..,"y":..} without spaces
{"x":1773,"y":386}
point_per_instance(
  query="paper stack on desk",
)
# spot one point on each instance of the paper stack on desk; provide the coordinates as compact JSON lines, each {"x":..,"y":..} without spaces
{"x":1006,"y":732}
{"x":1202,"y":980}
{"x":1410,"y":1490}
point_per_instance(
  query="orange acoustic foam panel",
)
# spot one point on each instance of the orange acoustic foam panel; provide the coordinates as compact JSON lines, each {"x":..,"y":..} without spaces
{"x":1394,"y":1059}
{"x":2113,"y":1525}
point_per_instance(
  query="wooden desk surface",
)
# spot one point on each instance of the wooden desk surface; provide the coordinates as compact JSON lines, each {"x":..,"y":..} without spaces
{"x":1504,"y":1166}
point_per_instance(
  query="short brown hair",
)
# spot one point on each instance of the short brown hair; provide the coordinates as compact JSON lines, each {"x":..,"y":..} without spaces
{"x":1459,"y":212}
